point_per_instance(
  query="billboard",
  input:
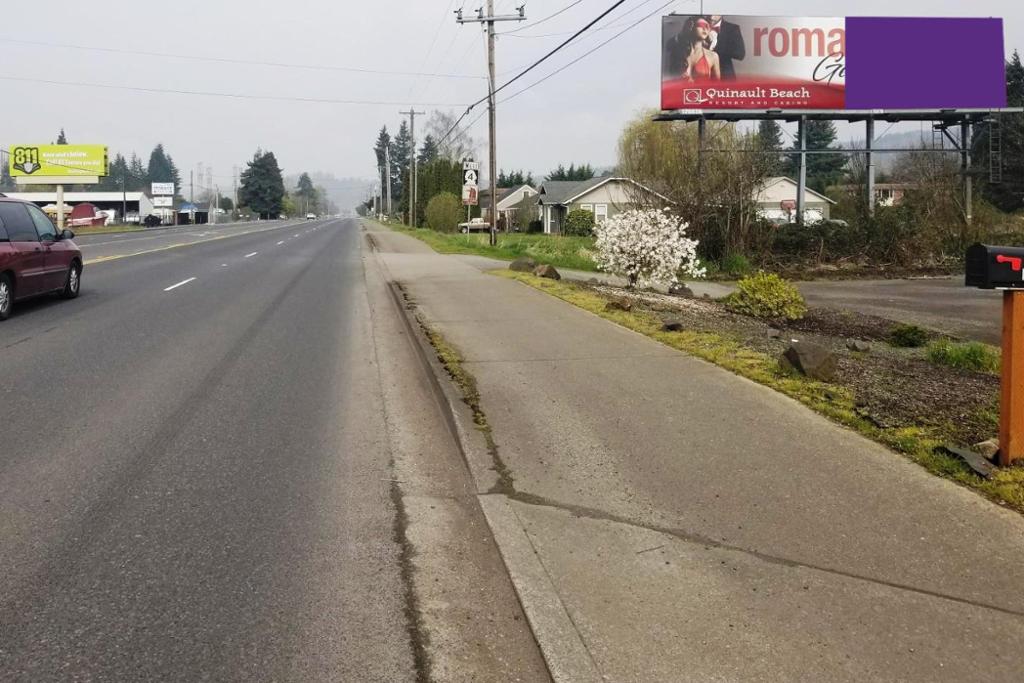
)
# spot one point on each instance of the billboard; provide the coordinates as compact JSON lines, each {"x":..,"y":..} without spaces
{"x":58,"y":161}
{"x":856,"y":63}
{"x":158,"y":189}
{"x":163,"y":202}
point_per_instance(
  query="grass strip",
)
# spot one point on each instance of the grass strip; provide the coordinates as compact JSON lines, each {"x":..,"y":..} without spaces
{"x":920,"y":444}
{"x":573,"y":253}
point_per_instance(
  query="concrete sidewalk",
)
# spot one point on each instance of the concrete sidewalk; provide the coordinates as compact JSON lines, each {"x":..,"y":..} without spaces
{"x":668,"y":520}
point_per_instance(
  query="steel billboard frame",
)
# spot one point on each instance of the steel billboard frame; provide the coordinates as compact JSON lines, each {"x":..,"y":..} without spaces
{"x":942,"y":120}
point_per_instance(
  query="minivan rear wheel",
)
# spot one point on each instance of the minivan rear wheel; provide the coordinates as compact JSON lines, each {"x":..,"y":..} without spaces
{"x":6,"y":297}
{"x":73,"y":282}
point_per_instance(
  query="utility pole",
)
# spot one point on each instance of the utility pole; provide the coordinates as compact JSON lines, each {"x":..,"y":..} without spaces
{"x":192,"y":196}
{"x":413,"y":179}
{"x":124,"y":203}
{"x":490,"y":20}
{"x":387,"y":163}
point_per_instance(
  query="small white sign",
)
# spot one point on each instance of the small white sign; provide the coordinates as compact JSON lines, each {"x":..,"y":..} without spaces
{"x":470,"y":195}
{"x":471,"y":177}
{"x":470,"y":165}
{"x":163,"y":202}
{"x":163,"y":189}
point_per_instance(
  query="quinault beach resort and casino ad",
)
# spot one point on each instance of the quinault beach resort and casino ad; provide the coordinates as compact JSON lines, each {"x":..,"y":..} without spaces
{"x":861,"y":63}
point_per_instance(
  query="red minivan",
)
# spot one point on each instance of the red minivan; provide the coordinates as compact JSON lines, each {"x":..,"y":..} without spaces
{"x":35,"y":259}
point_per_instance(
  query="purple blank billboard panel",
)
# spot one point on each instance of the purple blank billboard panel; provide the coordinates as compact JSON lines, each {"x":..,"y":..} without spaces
{"x":856,"y":63}
{"x":896,"y":63}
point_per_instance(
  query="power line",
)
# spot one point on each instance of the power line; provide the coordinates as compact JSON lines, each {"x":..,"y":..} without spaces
{"x":541,"y":21}
{"x":238,"y":96}
{"x":532,"y":66}
{"x":591,"y":51}
{"x":564,"y":43}
{"x":230,"y":60}
{"x":610,"y":27}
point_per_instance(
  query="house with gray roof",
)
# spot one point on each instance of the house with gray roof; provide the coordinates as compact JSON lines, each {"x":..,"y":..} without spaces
{"x":604,"y":197}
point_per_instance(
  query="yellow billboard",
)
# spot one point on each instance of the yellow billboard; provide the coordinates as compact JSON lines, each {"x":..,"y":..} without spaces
{"x":58,"y":161}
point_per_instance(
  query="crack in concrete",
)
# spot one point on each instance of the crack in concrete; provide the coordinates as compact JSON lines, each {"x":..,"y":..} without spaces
{"x":694,"y":538}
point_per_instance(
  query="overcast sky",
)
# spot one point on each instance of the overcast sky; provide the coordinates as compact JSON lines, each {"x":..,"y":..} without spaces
{"x":576,"y":116}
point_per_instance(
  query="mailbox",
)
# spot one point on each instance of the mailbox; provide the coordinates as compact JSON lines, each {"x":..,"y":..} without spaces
{"x":995,"y":267}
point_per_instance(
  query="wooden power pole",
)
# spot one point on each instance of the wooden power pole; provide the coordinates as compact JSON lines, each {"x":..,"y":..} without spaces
{"x":490,"y":20}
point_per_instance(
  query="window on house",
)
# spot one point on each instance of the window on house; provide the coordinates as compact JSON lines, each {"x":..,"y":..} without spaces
{"x":587,"y":207}
{"x":600,"y":213}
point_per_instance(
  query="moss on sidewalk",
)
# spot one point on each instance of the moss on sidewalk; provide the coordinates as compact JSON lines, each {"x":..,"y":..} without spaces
{"x":920,"y":444}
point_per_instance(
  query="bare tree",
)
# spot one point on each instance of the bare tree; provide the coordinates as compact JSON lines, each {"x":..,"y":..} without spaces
{"x":714,"y":189}
{"x":454,"y":141}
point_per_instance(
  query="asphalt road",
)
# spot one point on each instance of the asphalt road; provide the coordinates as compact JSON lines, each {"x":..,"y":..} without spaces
{"x":184,"y":493}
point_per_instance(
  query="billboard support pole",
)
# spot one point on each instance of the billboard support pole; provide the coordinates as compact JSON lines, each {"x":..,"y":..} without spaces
{"x":965,"y":165}
{"x":60,"y":207}
{"x":801,"y":186}
{"x":870,"y":161}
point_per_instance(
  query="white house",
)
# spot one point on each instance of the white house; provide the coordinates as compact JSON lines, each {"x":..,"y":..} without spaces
{"x":776,"y":201}
{"x":605,"y":197}
{"x":509,"y":199}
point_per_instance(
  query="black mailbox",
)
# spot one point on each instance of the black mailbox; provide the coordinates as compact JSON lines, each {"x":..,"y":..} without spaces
{"x":995,"y":267}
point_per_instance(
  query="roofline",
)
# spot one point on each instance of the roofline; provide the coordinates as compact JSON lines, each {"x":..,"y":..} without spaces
{"x":607,"y":180}
{"x":806,"y":189}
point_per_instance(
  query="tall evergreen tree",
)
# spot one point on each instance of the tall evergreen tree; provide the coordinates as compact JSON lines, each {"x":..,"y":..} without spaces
{"x":160,"y":169}
{"x":306,"y":193}
{"x":137,"y":176}
{"x":117,"y":172}
{"x":823,"y":170}
{"x":62,"y":139}
{"x":401,"y":163}
{"x":769,"y":141}
{"x":428,"y":151}
{"x":262,"y":186}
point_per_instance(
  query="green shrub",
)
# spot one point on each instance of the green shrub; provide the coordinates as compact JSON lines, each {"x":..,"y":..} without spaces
{"x":444,"y":211}
{"x":535,"y":227}
{"x":969,"y":356}
{"x":908,"y":336}
{"x":579,"y":223}
{"x":766,"y":295}
{"x":736,"y":264}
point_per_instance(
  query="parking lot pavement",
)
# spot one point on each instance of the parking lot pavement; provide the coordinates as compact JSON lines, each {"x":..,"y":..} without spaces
{"x":944,"y":304}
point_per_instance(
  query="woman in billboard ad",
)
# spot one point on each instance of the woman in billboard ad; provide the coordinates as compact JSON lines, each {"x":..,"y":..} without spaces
{"x":716,"y":62}
{"x":701,"y":63}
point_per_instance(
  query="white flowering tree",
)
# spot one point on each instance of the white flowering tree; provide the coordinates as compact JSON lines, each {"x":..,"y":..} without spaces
{"x":647,"y":247}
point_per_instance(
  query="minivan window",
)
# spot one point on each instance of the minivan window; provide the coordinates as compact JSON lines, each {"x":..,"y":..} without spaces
{"x":45,"y":228}
{"x":20,"y":227}
{"x":3,"y":232}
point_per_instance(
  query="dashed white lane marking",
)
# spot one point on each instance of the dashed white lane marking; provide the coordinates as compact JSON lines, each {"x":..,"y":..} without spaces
{"x":183,"y":282}
{"x":252,"y":254}
{"x":223,"y":265}
{"x":280,"y":243}
{"x":295,"y":235}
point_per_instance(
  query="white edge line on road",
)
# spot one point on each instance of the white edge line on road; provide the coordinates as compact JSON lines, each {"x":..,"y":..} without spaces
{"x":252,"y":254}
{"x":183,"y":282}
{"x":280,"y":243}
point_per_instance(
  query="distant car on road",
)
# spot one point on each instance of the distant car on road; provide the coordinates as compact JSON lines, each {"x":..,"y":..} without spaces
{"x":310,"y":216}
{"x":35,"y":258}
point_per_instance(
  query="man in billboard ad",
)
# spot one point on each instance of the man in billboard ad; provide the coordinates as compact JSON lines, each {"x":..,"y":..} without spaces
{"x":716,"y":62}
